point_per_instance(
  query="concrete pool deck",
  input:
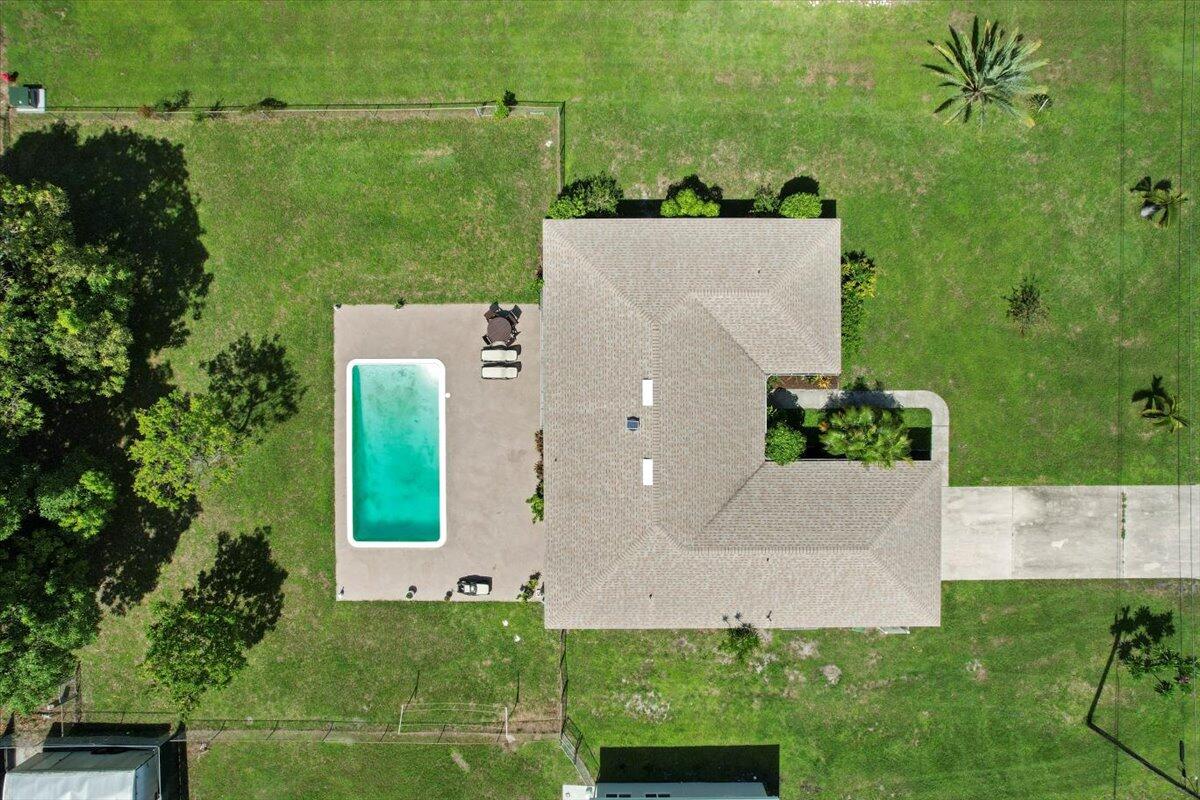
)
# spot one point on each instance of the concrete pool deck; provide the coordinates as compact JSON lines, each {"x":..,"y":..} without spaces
{"x":490,"y":454}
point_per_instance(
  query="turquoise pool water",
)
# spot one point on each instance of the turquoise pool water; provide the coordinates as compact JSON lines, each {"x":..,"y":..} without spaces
{"x":396,"y":444}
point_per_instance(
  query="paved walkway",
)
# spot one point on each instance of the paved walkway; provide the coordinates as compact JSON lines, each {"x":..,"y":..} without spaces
{"x":1030,"y":532}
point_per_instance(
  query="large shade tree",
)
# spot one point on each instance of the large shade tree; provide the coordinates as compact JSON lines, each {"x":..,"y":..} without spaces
{"x":64,"y":310}
{"x":64,"y":341}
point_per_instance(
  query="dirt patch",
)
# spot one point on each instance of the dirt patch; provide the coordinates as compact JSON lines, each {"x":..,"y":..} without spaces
{"x":804,"y":648}
{"x":648,"y":705}
{"x":457,"y":758}
{"x":976,"y":668}
{"x":685,"y":646}
{"x":832,"y":673}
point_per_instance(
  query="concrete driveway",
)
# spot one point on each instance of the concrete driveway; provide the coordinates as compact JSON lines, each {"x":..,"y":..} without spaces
{"x":490,"y":454}
{"x":1031,"y":532}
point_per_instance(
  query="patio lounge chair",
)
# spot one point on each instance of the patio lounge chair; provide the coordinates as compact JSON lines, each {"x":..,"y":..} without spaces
{"x":497,"y":371}
{"x":497,"y":354}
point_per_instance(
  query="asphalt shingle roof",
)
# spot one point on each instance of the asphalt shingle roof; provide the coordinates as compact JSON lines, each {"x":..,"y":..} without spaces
{"x":708,"y":309}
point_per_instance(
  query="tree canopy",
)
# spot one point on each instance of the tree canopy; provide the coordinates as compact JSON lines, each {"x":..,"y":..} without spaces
{"x":200,"y":641}
{"x":64,"y":309}
{"x":185,"y":442}
{"x":64,"y":341}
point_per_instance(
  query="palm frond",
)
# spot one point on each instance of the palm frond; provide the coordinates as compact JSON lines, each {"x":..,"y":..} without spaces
{"x":990,"y":68}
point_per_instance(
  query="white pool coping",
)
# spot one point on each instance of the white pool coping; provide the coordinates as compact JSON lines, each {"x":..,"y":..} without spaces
{"x":441,"y":376}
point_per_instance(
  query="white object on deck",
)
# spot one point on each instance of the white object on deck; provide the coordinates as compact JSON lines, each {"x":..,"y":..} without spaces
{"x":497,"y":372}
{"x":497,"y":354}
{"x":647,"y":472}
{"x":647,"y":391}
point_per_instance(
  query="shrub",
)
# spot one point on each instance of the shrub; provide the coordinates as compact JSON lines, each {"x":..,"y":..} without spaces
{"x":741,"y":641}
{"x":529,"y":588}
{"x":692,"y":197}
{"x":593,"y":196}
{"x":266,"y":104}
{"x":785,"y":443}
{"x":801,"y":205}
{"x":567,"y":208}
{"x":537,"y":503}
{"x":867,"y":434}
{"x":212,"y":112}
{"x":687,"y":203}
{"x":176,"y":102}
{"x":1025,"y":304}
{"x":504,"y":105}
{"x":766,"y":202}
{"x":858,"y":283}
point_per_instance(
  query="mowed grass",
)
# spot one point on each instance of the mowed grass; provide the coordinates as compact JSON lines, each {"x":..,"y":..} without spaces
{"x":990,"y":705}
{"x":255,"y":771}
{"x":298,"y":215}
{"x":750,"y":93}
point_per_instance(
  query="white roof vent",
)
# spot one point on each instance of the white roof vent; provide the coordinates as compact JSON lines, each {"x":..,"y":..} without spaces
{"x":647,"y":391}
{"x":647,"y":472}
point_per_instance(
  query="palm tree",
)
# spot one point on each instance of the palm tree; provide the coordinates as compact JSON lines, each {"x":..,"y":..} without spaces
{"x":1160,"y":406}
{"x":863,"y":433}
{"x":1158,"y":200}
{"x":992,"y":70}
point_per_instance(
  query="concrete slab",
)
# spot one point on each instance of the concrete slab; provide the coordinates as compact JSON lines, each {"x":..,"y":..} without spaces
{"x":1157,"y":541}
{"x":1061,"y":533}
{"x":1070,"y":532}
{"x":977,"y":533}
{"x":489,"y":424}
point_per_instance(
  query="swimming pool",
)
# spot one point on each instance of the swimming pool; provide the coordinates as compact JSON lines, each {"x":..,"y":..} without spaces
{"x":396,"y":446}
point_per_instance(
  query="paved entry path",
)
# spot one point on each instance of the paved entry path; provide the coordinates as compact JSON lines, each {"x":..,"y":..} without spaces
{"x":1030,"y":532}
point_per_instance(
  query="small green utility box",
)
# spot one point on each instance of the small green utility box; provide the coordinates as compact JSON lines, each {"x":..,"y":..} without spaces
{"x":27,"y":99}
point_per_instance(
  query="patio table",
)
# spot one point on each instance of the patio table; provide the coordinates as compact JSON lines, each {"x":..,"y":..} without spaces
{"x":499,"y":329}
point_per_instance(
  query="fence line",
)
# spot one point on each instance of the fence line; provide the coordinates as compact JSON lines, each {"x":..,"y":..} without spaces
{"x":579,"y":751}
{"x":418,"y":723}
{"x":373,"y":110}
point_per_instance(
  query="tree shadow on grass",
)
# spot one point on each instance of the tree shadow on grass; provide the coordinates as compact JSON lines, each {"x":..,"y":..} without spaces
{"x":254,"y":382}
{"x":129,"y":193}
{"x":244,"y":580}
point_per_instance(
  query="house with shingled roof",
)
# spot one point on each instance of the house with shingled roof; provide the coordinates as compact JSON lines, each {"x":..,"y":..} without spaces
{"x":658,"y":338}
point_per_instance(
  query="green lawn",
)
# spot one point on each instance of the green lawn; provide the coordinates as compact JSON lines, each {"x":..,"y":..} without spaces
{"x":301,"y":213}
{"x":989,"y":705}
{"x":747,"y":93}
{"x":256,"y":771}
